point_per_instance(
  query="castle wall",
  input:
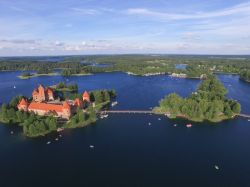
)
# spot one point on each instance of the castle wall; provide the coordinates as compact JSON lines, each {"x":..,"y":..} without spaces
{"x":62,"y":114}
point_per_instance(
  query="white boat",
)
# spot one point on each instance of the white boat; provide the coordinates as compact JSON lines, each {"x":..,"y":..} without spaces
{"x":248,"y":120}
{"x":11,"y":132}
{"x":56,"y":139}
{"x":175,"y":125}
{"x":14,"y":87}
{"x":114,"y":103}
{"x":59,"y":129}
{"x":149,"y":123}
{"x":48,"y":142}
{"x":159,"y":119}
{"x":104,"y":116}
{"x":216,"y":167}
{"x":91,"y":146}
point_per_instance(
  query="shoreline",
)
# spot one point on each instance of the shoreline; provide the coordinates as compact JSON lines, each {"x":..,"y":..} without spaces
{"x":36,"y":75}
{"x":51,"y":74}
{"x":128,"y":73}
{"x":200,"y":120}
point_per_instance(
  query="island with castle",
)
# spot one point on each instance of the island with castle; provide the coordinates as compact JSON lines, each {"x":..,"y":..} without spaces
{"x":49,"y":110}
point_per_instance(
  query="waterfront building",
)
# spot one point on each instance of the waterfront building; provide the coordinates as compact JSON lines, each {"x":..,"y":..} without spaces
{"x":44,"y":103}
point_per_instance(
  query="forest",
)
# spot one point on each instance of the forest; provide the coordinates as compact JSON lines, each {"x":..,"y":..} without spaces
{"x":196,"y":65}
{"x":209,"y":103}
{"x":245,"y":75}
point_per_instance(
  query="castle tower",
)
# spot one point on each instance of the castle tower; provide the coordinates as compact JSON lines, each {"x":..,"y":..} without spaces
{"x":78,"y":103}
{"x":23,"y":105}
{"x":85,"y":97}
{"x":66,"y":110}
{"x":50,"y":94}
{"x":41,"y":91}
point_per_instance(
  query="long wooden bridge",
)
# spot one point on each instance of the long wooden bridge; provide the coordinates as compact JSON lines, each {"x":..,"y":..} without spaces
{"x":150,"y":112}
{"x":244,"y":115}
{"x":129,"y":111}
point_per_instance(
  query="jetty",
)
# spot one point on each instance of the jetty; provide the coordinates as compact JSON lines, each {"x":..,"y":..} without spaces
{"x":244,"y":115}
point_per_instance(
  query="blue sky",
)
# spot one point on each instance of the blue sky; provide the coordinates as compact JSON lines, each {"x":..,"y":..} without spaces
{"x":62,"y":27}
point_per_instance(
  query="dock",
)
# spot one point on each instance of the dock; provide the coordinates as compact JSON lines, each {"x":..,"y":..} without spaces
{"x":244,"y":115}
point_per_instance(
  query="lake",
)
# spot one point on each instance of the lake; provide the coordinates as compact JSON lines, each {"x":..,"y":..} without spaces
{"x":127,"y":151}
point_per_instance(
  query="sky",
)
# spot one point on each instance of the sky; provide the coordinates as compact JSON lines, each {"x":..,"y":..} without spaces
{"x":75,"y":27}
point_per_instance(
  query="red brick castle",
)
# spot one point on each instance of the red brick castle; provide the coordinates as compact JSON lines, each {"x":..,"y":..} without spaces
{"x":44,"y":103}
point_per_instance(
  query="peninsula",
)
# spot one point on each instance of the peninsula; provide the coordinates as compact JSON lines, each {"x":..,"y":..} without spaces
{"x":209,"y":103}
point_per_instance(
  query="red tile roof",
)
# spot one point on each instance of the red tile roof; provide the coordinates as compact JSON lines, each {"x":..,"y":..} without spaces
{"x":66,"y":105}
{"x":49,"y":90}
{"x":77,"y":102}
{"x":23,"y":102}
{"x":85,"y":94}
{"x":35,"y":92}
{"x":45,"y":106}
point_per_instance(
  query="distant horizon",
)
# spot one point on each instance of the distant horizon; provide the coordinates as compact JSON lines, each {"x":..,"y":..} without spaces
{"x":91,"y":27}
{"x":110,"y":54}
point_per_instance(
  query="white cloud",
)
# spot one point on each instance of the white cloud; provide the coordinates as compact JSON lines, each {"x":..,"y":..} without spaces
{"x":18,"y":9}
{"x":84,"y":11}
{"x":243,"y":8}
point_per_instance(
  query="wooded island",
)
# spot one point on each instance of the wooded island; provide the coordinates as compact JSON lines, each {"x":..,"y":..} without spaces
{"x":209,"y":103}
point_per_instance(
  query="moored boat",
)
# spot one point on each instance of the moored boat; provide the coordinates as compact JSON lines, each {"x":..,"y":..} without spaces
{"x":60,"y":129}
{"x":114,"y":103}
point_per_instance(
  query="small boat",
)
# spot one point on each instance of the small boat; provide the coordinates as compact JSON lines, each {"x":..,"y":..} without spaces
{"x":60,"y":135}
{"x":159,"y":119}
{"x":175,"y":125}
{"x":60,"y":129}
{"x":14,"y":87}
{"x":48,"y":142}
{"x":149,"y":123}
{"x":91,"y":146}
{"x":104,"y":116}
{"x":189,"y":125}
{"x":11,"y":132}
{"x":248,"y":120}
{"x":114,"y":103}
{"x":216,"y":167}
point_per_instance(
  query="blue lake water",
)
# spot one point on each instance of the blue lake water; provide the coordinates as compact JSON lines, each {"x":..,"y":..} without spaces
{"x":129,"y":152}
{"x":181,"y":66}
